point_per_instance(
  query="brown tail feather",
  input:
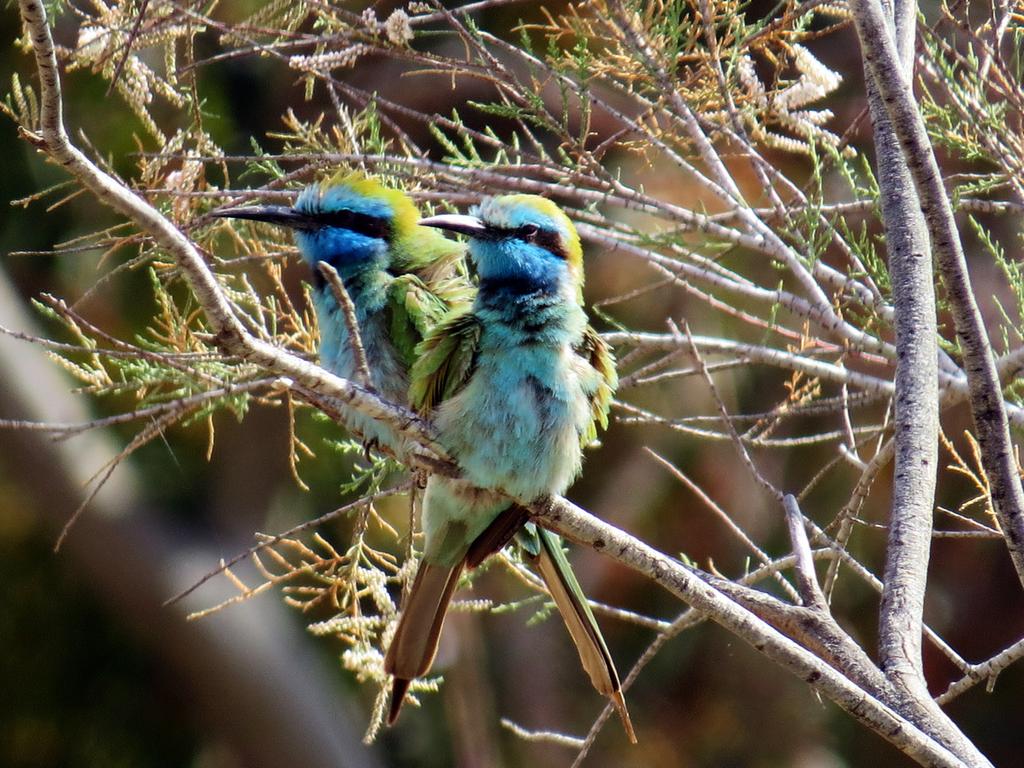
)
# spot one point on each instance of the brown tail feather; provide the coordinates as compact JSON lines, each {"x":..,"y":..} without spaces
{"x":398,"y":688}
{"x":496,"y":535}
{"x":415,"y":642}
{"x":589,"y":644}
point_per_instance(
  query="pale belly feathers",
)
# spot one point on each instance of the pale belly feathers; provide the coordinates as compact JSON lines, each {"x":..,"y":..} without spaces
{"x":515,"y":427}
{"x":517,"y":424}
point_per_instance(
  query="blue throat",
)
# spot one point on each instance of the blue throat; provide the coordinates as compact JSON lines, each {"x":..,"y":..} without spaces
{"x":359,"y":260}
{"x":362,"y":263}
{"x":529,"y":311}
{"x":347,"y":251}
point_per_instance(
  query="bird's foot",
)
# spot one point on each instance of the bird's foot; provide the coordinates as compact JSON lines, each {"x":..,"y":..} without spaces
{"x":369,"y":445}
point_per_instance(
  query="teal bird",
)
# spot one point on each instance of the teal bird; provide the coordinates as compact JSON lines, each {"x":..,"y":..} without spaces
{"x":402,"y":279}
{"x":516,"y":385}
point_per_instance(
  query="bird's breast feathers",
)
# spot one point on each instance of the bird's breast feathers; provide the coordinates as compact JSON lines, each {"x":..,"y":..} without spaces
{"x":517,"y":424}
{"x":390,"y":376}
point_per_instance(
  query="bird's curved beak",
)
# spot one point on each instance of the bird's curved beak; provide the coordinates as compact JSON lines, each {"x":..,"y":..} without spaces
{"x":470,"y":226}
{"x":271,"y":214}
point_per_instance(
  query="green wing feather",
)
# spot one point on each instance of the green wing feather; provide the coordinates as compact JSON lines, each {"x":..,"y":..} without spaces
{"x":445,"y":360}
{"x":593,"y":349}
{"x":412,"y":310}
{"x":429,"y":280}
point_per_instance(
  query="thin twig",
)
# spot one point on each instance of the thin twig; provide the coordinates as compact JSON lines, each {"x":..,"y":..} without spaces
{"x":806,"y":580}
{"x":348,"y":311}
{"x":987,"y":670}
{"x":270,"y":541}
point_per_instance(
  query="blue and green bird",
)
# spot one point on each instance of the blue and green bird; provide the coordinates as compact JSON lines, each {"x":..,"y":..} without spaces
{"x":517,"y":385}
{"x":402,"y":279}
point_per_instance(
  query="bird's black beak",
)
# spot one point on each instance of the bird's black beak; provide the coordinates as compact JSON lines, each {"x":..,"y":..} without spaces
{"x":271,"y":214}
{"x":470,"y":226}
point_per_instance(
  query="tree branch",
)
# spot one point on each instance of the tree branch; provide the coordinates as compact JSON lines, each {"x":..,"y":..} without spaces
{"x":986,"y":398}
{"x":806,"y":579}
{"x":561,"y":516}
{"x":916,"y":402}
{"x":568,"y":520}
{"x":986,"y":670}
{"x":953,"y":390}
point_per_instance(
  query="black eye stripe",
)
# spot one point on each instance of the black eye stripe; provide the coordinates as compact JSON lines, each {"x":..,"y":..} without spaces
{"x":546,"y":238}
{"x":361,"y":223}
{"x":550,"y":240}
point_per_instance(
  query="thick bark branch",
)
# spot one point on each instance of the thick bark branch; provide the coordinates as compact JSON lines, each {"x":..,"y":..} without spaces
{"x":916,"y":418}
{"x":986,"y":398}
{"x":570,"y":521}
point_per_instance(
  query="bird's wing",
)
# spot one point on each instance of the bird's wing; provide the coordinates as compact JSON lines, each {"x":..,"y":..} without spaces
{"x":445,"y":360}
{"x":412,"y":311}
{"x":595,"y":351}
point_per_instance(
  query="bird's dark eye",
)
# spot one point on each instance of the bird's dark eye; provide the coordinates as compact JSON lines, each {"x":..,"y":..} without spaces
{"x":529,"y":232}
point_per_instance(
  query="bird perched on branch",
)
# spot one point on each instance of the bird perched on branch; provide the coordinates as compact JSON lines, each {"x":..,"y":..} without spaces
{"x":401,"y":278}
{"x":517,"y":386}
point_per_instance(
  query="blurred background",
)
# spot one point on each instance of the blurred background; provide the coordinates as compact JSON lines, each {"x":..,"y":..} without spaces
{"x":94,"y":671}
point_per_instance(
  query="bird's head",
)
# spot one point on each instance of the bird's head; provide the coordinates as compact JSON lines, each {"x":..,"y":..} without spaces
{"x":348,"y":220}
{"x":523,"y":239}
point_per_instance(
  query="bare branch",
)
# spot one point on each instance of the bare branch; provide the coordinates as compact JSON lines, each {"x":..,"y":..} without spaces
{"x":720,"y":514}
{"x":953,"y":390}
{"x":987,"y":670}
{"x":548,"y":737}
{"x":916,"y":404}
{"x":987,"y":406}
{"x":348,"y":311}
{"x":807,"y":580}
{"x":570,"y":521}
{"x":179,"y":406}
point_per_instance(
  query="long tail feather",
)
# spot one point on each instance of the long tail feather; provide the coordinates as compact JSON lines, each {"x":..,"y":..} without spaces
{"x":415,"y":642}
{"x":579,"y":620}
{"x":496,"y":535}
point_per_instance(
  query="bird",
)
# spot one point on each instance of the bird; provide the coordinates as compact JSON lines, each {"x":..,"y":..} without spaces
{"x":516,"y":385}
{"x":402,"y":279}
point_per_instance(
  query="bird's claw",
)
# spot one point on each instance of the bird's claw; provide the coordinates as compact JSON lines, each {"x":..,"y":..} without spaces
{"x":369,"y":445}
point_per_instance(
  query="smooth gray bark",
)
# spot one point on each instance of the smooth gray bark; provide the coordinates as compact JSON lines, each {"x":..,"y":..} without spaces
{"x":916,"y":401}
{"x":987,"y":405}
